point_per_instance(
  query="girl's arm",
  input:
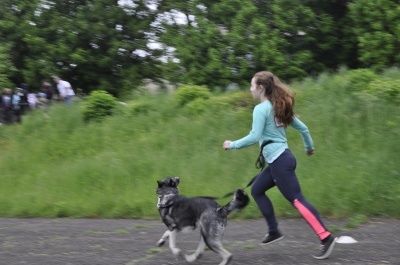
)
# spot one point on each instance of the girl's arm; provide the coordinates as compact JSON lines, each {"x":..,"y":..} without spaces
{"x":259,"y":118}
{"x":305,"y":134}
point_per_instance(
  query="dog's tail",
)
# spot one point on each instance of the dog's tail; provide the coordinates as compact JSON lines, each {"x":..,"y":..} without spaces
{"x":239,"y":201}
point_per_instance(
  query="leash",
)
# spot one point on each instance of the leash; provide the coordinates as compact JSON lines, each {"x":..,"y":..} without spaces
{"x":260,"y":163}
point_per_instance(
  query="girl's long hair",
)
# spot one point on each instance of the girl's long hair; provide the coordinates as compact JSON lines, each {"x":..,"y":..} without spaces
{"x":280,"y":96}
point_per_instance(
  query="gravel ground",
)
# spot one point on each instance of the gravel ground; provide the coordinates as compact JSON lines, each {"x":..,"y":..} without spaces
{"x":133,"y":242}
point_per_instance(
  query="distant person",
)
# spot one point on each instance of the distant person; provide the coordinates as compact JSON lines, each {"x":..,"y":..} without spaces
{"x":10,"y":103}
{"x":64,"y":89}
{"x":16,"y":106}
{"x":42,"y":102}
{"x":48,"y":90}
{"x":32,"y":100}
{"x":22,"y":92}
{"x":270,"y":120}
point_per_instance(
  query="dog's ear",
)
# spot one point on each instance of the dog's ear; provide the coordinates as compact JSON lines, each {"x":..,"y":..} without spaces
{"x":172,"y":182}
{"x":159,"y":183}
{"x":177,"y":180}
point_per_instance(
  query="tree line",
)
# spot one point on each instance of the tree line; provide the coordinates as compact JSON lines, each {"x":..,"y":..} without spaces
{"x":114,"y":44}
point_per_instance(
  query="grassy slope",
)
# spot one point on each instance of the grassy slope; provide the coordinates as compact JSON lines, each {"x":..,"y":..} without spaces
{"x":55,"y":165}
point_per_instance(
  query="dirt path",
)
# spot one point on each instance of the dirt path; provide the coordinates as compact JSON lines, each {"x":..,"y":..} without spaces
{"x":132,"y":242}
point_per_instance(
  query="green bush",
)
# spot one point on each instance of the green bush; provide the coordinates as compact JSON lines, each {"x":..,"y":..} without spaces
{"x":386,"y":89}
{"x":234,"y":100}
{"x":186,"y":94}
{"x":137,"y":107}
{"x":98,"y":105}
{"x":359,"y":79}
{"x":197,"y":106}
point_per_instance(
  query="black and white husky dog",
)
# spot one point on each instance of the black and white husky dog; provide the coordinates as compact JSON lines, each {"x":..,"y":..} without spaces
{"x":181,"y":213}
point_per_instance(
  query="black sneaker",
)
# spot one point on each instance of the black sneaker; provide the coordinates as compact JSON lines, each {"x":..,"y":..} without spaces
{"x":326,"y":248}
{"x":269,"y":239}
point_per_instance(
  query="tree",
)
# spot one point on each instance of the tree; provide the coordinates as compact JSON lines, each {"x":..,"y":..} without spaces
{"x":105,"y":45}
{"x":376,"y":26}
{"x":199,"y":48}
{"x":6,"y":67}
{"x":227,"y":41}
{"x":94,"y":44}
{"x":13,"y":15}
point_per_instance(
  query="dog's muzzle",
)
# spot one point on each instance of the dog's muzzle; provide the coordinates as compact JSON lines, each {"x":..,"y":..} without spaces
{"x":164,"y":201}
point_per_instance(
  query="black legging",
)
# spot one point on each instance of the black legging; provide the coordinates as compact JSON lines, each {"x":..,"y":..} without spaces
{"x":281,"y":173}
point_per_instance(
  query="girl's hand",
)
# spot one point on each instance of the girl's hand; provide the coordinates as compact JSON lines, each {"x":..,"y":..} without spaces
{"x":310,"y":152}
{"x":226,"y":144}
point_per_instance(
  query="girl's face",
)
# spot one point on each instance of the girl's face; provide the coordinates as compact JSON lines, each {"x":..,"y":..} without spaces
{"x":256,"y":90}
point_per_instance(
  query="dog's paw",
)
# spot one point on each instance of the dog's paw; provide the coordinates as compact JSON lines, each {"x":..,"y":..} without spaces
{"x":177,"y":253}
{"x":227,"y":260}
{"x":191,"y":258}
{"x":160,"y":243}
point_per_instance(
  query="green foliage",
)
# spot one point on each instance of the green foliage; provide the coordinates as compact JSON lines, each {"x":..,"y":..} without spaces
{"x":367,"y":81}
{"x":186,"y":94}
{"x":197,"y":106}
{"x":6,"y":67}
{"x":140,"y":107}
{"x":92,"y":45}
{"x":56,"y":165}
{"x":233,"y":100}
{"x":375,"y":24}
{"x":360,"y":79}
{"x":387,"y":89}
{"x":103,"y":45}
{"x":98,"y":105}
{"x":232,"y":39}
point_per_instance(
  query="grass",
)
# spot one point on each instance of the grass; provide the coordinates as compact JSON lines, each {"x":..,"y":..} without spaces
{"x":55,"y":165}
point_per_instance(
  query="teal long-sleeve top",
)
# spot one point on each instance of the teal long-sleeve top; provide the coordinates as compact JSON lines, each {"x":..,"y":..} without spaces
{"x":265,"y":127}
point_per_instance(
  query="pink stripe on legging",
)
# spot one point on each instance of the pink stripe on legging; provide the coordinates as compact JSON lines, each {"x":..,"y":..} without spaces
{"x":311,"y":220}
